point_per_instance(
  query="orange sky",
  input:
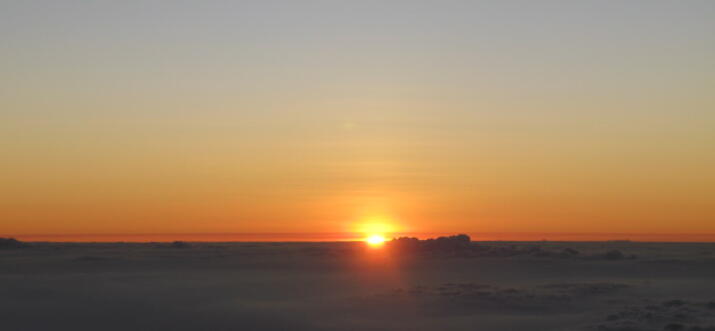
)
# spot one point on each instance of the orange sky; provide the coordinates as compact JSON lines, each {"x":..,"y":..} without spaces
{"x":441,"y":118}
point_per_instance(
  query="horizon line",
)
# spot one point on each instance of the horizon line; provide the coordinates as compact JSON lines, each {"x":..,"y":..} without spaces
{"x":356,"y":236}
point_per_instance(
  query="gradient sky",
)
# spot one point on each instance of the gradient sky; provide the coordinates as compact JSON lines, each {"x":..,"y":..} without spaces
{"x":324,"y":116}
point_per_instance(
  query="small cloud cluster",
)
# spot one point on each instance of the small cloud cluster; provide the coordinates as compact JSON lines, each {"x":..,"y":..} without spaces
{"x":180,"y":244}
{"x":460,"y":242}
{"x":462,"y":246}
{"x":10,"y":243}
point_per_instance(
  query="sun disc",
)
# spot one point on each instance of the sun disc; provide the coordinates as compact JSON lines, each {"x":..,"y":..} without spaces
{"x":375,"y":240}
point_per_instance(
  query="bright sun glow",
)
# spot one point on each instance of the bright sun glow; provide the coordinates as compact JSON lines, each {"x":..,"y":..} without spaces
{"x":373,"y":227}
{"x":375,"y":240}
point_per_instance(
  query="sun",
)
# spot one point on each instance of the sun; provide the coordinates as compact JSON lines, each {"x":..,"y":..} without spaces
{"x":375,"y":240}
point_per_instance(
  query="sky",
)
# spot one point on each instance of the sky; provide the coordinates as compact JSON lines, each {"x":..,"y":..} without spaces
{"x":141,"y":117}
